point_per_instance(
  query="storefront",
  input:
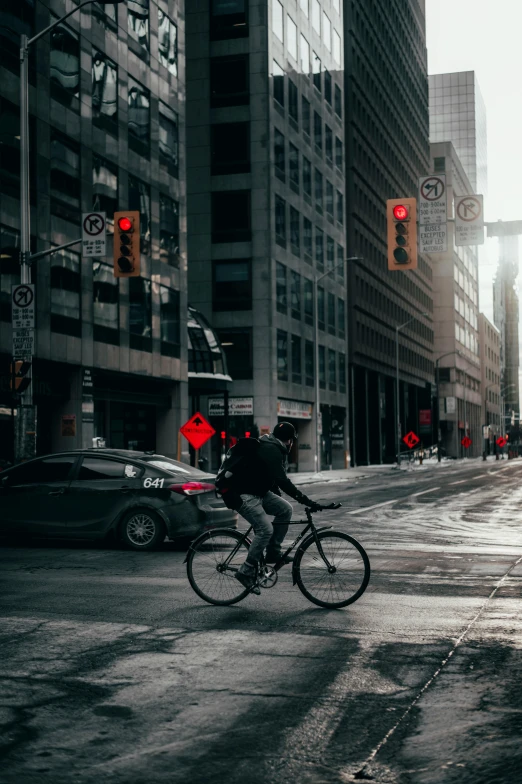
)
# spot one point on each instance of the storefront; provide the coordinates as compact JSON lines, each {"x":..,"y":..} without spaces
{"x":299,"y":414}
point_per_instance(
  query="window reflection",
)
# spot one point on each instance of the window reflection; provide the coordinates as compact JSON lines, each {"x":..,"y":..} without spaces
{"x":169,"y":321}
{"x":167,"y":43}
{"x":140,"y":314}
{"x":104,"y":187}
{"x":9,"y":268}
{"x":104,"y":92}
{"x":106,"y":14}
{"x":168,"y":139}
{"x":65,"y":177}
{"x":139,"y":118}
{"x":169,"y":230}
{"x":66,"y":293}
{"x":105,"y":297}
{"x":138,"y":22}
{"x":65,"y":65}
{"x":139,"y":199}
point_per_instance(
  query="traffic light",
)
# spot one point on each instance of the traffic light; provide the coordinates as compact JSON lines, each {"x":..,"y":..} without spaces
{"x":401,"y":215}
{"x":18,"y":376}
{"x":127,"y":244}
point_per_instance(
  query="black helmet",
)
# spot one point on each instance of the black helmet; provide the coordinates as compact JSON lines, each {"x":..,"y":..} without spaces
{"x":284,"y":431}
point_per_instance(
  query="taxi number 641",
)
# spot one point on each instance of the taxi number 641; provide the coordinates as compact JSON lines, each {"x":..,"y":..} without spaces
{"x":150,"y":482}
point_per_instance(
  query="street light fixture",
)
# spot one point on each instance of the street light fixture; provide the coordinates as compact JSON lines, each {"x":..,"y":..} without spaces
{"x":397,"y":405}
{"x":316,"y":280}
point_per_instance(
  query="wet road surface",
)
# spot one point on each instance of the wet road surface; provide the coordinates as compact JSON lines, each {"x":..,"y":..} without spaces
{"x":113,"y":670}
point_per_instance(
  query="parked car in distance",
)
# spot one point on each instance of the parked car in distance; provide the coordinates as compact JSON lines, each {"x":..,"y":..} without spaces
{"x":89,"y":494}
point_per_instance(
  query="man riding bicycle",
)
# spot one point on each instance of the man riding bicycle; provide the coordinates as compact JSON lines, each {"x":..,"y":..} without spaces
{"x":259,"y":489}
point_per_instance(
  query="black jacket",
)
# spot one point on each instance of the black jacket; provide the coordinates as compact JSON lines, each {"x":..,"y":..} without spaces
{"x":267,"y":472}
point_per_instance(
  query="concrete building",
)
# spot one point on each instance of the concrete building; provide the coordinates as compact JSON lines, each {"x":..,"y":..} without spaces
{"x":387,"y":143}
{"x":506,"y":318}
{"x":490,"y":347}
{"x":266,"y":211}
{"x":455,"y":316}
{"x":107,"y":103}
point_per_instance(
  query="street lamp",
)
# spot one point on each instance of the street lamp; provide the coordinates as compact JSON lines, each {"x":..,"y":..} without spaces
{"x":317,"y":278}
{"x":449,"y":353}
{"x":397,"y":406}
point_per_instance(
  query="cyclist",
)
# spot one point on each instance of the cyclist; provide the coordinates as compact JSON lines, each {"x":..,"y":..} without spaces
{"x":259,"y":488}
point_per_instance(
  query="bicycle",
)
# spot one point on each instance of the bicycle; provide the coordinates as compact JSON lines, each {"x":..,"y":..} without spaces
{"x":331,"y":568}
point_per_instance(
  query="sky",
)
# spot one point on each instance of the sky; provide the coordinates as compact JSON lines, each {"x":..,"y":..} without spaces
{"x":486,"y":37}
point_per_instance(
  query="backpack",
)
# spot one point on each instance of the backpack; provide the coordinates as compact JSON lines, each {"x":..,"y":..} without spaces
{"x":237,"y":461}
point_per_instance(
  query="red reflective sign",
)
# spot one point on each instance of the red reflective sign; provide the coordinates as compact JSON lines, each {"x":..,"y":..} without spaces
{"x":466,"y":442}
{"x":411,"y":439}
{"x":400,"y":212}
{"x":125,"y":224}
{"x":501,"y":441}
{"x":197,"y":430}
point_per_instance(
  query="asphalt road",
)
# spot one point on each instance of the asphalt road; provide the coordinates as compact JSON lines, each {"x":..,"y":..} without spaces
{"x":113,"y":670}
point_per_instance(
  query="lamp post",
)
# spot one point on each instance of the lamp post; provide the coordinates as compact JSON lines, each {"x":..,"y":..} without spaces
{"x":448,"y":353}
{"x":397,"y":405}
{"x":27,"y":414}
{"x":316,"y":280}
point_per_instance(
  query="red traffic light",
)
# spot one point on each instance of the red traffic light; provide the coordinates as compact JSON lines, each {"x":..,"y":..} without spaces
{"x":401,"y":212}
{"x":247,"y":433}
{"x":124,"y":224}
{"x":223,"y":435}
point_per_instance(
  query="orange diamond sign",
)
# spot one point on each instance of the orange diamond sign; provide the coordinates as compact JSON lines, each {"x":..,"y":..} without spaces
{"x":411,"y":439}
{"x":466,"y":442}
{"x":197,"y":430}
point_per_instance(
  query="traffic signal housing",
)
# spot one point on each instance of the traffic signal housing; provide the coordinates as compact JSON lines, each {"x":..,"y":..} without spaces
{"x":19,"y":378}
{"x":127,"y":244}
{"x":401,"y":217}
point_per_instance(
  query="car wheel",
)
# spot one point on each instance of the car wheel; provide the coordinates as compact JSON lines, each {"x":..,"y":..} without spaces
{"x":142,"y":530}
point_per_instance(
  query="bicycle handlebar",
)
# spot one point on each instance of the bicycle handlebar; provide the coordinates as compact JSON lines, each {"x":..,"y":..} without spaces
{"x":325,"y":508}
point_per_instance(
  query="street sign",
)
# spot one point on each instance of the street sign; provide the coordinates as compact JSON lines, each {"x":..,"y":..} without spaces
{"x":411,"y":439}
{"x":22,"y":305}
{"x":469,"y":220}
{"x":432,"y":199}
{"x":466,"y":442}
{"x":433,"y":238}
{"x":23,"y":344}
{"x":501,"y":441}
{"x":94,"y":228}
{"x":197,"y":430}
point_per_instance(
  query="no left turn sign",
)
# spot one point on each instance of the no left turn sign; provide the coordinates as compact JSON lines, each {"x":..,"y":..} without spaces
{"x":432,"y":188}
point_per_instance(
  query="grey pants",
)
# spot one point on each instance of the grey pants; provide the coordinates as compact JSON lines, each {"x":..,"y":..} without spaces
{"x":256,"y":511}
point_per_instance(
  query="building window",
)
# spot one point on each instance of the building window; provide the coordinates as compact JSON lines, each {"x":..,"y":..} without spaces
{"x":277,"y":19}
{"x":320,"y":307}
{"x":308,"y":300}
{"x":9,"y":268}
{"x":294,"y":232}
{"x":65,"y":66}
{"x":167,"y":43}
{"x":316,"y":16}
{"x":327,"y":32}
{"x":280,"y":221}
{"x":228,"y":19}
{"x":139,"y":199}
{"x":305,"y":115}
{"x":140,"y":314}
{"x":169,"y":230}
{"x":307,"y":237}
{"x":338,"y":153}
{"x":328,"y":87}
{"x":342,"y":373}
{"x":293,"y":167}
{"x":318,"y":191}
{"x":282,"y":355}
{"x":296,"y":359}
{"x":304,"y":55}
{"x":279,"y":84}
{"x":318,"y":132}
{"x":17,"y":18}
{"x":106,"y":15}
{"x":291,"y":37}
{"x":65,"y":179}
{"x":281,"y":298}
{"x":105,"y":298}
{"x":316,"y":70}
{"x":307,"y":177}
{"x":337,"y":47}
{"x":328,"y":143}
{"x":279,"y":155}
{"x":303,"y":4}
{"x":319,"y":247}
{"x":168,"y":139}
{"x":104,"y":93}
{"x":230,"y":144}
{"x":329,"y":200}
{"x":439,"y":165}
{"x":66,"y":288}
{"x":338,"y":101}
{"x":331,"y":312}
{"x":322,"y":367}
{"x":229,"y":81}
{"x":330,"y":252}
{"x":231,"y":216}
{"x":295,"y":294}
{"x":309,"y":363}
{"x":340,"y":207}
{"x":340,"y":262}
{"x":293,"y":101}
{"x":169,"y":321}
{"x":139,"y":118}
{"x":138,"y":24}
{"x":332,"y":371}
{"x":104,"y":187}
{"x":341,"y":318}
{"x":237,"y":345}
{"x":232,"y":289}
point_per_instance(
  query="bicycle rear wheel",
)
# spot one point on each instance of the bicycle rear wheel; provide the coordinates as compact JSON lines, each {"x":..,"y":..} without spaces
{"x":347,"y":578}
{"x":213,"y":561}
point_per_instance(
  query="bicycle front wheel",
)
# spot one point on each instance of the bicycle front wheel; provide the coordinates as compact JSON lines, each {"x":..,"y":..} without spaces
{"x":339,"y":582}
{"x":213,"y":561}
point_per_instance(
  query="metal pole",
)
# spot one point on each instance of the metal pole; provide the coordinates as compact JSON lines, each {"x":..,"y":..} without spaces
{"x":465,"y":421}
{"x":317,"y":386}
{"x":352,"y":391}
{"x":437,"y":403}
{"x":397,"y":404}
{"x":225,"y":418}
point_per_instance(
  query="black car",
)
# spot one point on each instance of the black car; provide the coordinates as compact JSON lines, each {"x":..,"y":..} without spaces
{"x":91,"y":493}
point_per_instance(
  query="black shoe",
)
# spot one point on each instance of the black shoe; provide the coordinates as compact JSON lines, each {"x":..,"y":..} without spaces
{"x":248,"y":582}
{"x":271,"y":558}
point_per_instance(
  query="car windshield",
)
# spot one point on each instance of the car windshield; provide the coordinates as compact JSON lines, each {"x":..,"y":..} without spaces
{"x":173,"y":467}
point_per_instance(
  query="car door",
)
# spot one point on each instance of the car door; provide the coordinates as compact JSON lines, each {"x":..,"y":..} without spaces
{"x":102,"y":489}
{"x":33,"y":496}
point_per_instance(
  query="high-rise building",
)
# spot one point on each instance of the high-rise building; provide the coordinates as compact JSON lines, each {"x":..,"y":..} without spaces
{"x":107,"y":107}
{"x":489,"y":344}
{"x":387,"y":143}
{"x":266,"y":211}
{"x":506,"y":318}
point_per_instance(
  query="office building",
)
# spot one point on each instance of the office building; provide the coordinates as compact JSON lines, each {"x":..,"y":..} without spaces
{"x":506,"y":318}
{"x":490,"y":346}
{"x":107,"y":107}
{"x":266,"y":212}
{"x":387,"y":143}
{"x":456,"y":322}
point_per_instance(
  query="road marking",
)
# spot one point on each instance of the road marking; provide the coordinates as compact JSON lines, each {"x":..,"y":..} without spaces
{"x":375,"y":506}
{"x":431,"y":490}
{"x":459,"y":482}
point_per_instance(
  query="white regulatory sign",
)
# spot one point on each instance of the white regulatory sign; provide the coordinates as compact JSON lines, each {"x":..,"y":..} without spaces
{"x":469,"y":220}
{"x":22,"y":305}
{"x":433,"y":238}
{"x":432,"y":199}
{"x":94,"y":229}
{"x":23,"y":343}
